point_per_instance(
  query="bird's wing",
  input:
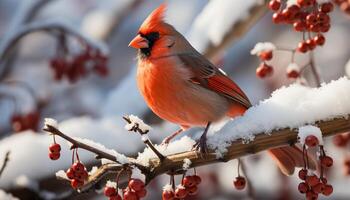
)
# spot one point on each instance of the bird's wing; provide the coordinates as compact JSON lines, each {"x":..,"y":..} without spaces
{"x":209,"y":76}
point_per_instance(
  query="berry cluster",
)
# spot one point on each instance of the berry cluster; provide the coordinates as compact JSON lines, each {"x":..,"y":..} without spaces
{"x":312,"y":185}
{"x":344,"y":5}
{"x":78,"y":66}
{"x":305,"y":16}
{"x":54,"y":151}
{"x":24,"y":122}
{"x":188,"y":187}
{"x":343,"y":141}
{"x":134,"y":191}
{"x":77,"y":174}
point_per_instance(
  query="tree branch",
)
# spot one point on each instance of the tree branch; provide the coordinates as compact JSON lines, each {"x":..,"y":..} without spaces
{"x":4,"y":164}
{"x":236,"y":150}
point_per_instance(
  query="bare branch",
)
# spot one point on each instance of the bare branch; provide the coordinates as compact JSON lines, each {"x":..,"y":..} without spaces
{"x":4,"y":164}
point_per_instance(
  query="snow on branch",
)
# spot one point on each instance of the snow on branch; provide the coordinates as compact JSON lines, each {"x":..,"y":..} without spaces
{"x":211,"y":35}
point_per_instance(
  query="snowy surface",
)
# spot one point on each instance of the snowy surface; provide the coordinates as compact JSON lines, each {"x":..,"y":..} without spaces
{"x":262,"y":46}
{"x":50,"y":122}
{"x":305,"y":131}
{"x":187,"y":164}
{"x":168,"y":188}
{"x":111,"y":184}
{"x":6,"y":196}
{"x":135,"y":121}
{"x":216,"y":19}
{"x":137,"y":174}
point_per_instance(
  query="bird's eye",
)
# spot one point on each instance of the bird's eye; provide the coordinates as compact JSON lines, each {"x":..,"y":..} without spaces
{"x":153,"y":36}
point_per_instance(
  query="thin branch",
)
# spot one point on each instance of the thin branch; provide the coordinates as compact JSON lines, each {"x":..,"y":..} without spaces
{"x":262,"y":142}
{"x":314,"y":69}
{"x":4,"y":164}
{"x":148,"y":142}
{"x":250,"y":189}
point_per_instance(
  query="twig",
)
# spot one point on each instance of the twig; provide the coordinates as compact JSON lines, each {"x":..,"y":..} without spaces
{"x":100,"y":154}
{"x":4,"y":164}
{"x":237,"y":149}
{"x":148,"y":142}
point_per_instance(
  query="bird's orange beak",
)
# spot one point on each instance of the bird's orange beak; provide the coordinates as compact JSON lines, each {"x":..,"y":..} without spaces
{"x":139,"y":42}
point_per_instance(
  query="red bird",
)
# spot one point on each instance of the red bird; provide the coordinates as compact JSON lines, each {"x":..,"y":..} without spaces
{"x":181,"y":86}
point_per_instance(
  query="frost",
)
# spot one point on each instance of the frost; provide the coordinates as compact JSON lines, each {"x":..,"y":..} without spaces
{"x":137,"y":174}
{"x":262,"y":46}
{"x":50,"y":122}
{"x":180,"y":186}
{"x":292,"y":2}
{"x":61,"y":174}
{"x":135,"y":120}
{"x":168,"y":188}
{"x":93,"y":170}
{"x":305,"y":131}
{"x":111,"y":184}
{"x":187,"y":164}
{"x":144,"y":137}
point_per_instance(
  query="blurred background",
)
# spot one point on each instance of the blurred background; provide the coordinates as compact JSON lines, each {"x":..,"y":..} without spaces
{"x":91,"y":104}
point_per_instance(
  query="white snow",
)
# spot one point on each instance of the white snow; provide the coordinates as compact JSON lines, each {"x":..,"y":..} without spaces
{"x":111,"y":184}
{"x":137,"y":174}
{"x":187,"y":164}
{"x":6,"y":196}
{"x":347,"y":68}
{"x":50,"y":122}
{"x":292,"y":2}
{"x":216,"y":19}
{"x":262,"y":46}
{"x":93,"y":170}
{"x":61,"y":174}
{"x":293,"y":67}
{"x":135,"y":120}
{"x":122,"y":159}
{"x":305,"y":131}
{"x":144,"y":137}
{"x":168,"y":188}
{"x":322,"y":1}
{"x":180,"y":186}
{"x":183,"y":144}
{"x":24,"y":182}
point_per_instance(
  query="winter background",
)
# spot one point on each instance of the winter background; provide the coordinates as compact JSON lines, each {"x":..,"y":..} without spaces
{"x":93,"y":107}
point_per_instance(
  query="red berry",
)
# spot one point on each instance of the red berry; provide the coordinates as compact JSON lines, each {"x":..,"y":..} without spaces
{"x":325,"y":28}
{"x":303,"y":187}
{"x":109,"y":191}
{"x":323,"y":18}
{"x":319,"y":39}
{"x":326,"y":161}
{"x":293,"y":73}
{"x":115,"y":197}
{"x":275,"y":5}
{"x":141,"y":193}
{"x":311,"y":19}
{"x":324,"y":180}
{"x":70,"y":173}
{"x":318,"y":188}
{"x":188,"y":181}
{"x":264,"y":70}
{"x":239,"y":183}
{"x":326,"y":7}
{"x":302,"y":174}
{"x":311,"y":141}
{"x":168,"y":195}
{"x":277,"y":18}
{"x":302,"y":47}
{"x":76,"y":183}
{"x":54,"y":156}
{"x":266,"y":55}
{"x":310,"y":195}
{"x":192,"y":190}
{"x":197,"y":179}
{"x":78,"y":167}
{"x":312,"y":180}
{"x":327,"y":190}
{"x":311,"y":44}
{"x":181,"y":192}
{"x":130,"y":195}
{"x":55,"y":148}
{"x":136,"y":184}
{"x":299,"y":26}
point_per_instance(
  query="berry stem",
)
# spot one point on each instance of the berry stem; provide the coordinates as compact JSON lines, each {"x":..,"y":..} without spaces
{"x":314,"y":70}
{"x":250,"y":189}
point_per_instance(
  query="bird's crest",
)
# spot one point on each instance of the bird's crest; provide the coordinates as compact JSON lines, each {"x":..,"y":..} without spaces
{"x":154,"y":22}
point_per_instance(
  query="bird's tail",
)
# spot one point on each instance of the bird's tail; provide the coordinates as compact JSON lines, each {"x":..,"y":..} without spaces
{"x":290,"y":157}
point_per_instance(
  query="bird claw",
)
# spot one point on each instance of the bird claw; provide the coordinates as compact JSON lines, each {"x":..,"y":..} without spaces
{"x":201,"y":145}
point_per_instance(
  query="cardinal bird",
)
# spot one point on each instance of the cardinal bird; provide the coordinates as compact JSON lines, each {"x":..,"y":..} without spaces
{"x":181,"y":86}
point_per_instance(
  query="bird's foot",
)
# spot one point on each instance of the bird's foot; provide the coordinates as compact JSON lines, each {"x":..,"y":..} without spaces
{"x":201,"y":145}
